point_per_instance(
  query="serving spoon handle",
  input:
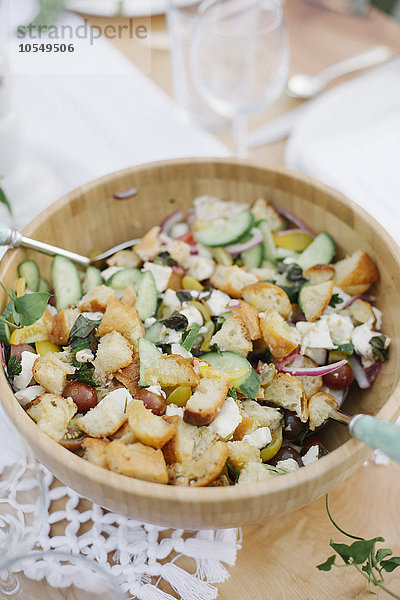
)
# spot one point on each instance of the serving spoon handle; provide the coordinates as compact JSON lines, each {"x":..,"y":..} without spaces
{"x":13,"y":238}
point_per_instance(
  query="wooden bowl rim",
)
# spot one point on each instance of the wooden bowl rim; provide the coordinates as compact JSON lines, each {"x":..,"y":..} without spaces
{"x":207,"y":495}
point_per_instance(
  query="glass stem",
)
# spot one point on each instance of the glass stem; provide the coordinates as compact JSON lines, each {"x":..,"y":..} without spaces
{"x":240,"y":132}
{"x":9,"y":584}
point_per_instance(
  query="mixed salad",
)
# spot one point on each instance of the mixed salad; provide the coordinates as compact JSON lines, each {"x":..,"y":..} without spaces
{"x":208,"y":354}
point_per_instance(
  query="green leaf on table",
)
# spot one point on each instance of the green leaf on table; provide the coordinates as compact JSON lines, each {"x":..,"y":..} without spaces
{"x":14,"y":366}
{"x":327,"y":565}
{"x":30,"y":307}
{"x":4,"y":200}
{"x":382,"y":553}
{"x":391,"y":564}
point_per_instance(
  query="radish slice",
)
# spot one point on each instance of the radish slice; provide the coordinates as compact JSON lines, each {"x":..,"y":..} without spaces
{"x":257,"y":238}
{"x":314,"y":371}
{"x":171,"y":220}
{"x":125,"y":194}
{"x":365,"y":297}
{"x":359,"y":372}
{"x":290,"y":217}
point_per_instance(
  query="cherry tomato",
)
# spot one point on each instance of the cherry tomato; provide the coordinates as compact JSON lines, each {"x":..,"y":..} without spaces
{"x":287,"y":452}
{"x":83,"y":394}
{"x":340,"y":379}
{"x":154,"y":402}
{"x":293,"y":427}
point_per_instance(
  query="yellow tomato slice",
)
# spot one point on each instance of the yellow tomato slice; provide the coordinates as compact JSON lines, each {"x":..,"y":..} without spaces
{"x":43,"y":348}
{"x":269,"y":451}
{"x":190,"y":283}
{"x":234,"y":375}
{"x":205,"y":313}
{"x":20,"y":287}
{"x":180,"y":395}
{"x":37,"y":332}
{"x":292,"y":240}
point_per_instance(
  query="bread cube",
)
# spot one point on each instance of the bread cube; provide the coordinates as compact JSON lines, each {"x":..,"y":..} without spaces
{"x":319,"y":273}
{"x":240,"y":453}
{"x":321,"y":406}
{"x":52,"y":413}
{"x":171,"y":371}
{"x":231,"y":280}
{"x":97,"y":299}
{"x":262,"y":209}
{"x":94,"y":451}
{"x":249,"y":314}
{"x":51,"y":372}
{"x":314,"y":299}
{"x":204,"y":405}
{"x":122,"y":318}
{"x":150,"y":429}
{"x":255,"y":472}
{"x":137,"y":460}
{"x":233,"y":336}
{"x":149,"y":246}
{"x":356,"y":273}
{"x":114,"y":352}
{"x":202,"y":471}
{"x":108,"y":416}
{"x":281,"y":338}
{"x":287,"y":391}
{"x":267,"y":296}
{"x":62,"y":324}
{"x":129,"y":376}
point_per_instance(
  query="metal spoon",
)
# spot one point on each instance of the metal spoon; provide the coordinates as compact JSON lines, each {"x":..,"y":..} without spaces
{"x":307,"y":86}
{"x":13,"y":239}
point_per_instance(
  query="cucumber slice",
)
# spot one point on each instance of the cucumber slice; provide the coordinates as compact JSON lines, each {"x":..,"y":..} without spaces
{"x":320,"y":252}
{"x":249,"y":383}
{"x":92,"y":279}
{"x":153,"y":333}
{"x":148,"y":356}
{"x":66,"y":282}
{"x":226,"y":233}
{"x":269,"y":245}
{"x":30,"y":270}
{"x":146,"y":303}
{"x":125,"y":277}
{"x":252,"y":259}
{"x":4,"y":333}
{"x":44,"y":285}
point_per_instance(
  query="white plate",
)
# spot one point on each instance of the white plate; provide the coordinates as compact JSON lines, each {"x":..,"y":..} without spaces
{"x":113,"y":8}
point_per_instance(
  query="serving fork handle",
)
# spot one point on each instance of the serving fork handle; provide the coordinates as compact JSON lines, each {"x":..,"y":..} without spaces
{"x":377,"y":433}
{"x":11,"y":237}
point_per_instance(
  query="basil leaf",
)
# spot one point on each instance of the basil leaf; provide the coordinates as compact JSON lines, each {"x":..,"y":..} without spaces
{"x":391,"y":564}
{"x":382,"y":553}
{"x":232,"y":393}
{"x":166,"y":260}
{"x":378,"y":347}
{"x":327,"y":565}
{"x":30,"y":307}
{"x":233,"y":472}
{"x":294,"y":273}
{"x":346,"y":348}
{"x":184,"y":296}
{"x":176,"y":321}
{"x":14,"y":366}
{"x":78,"y":343}
{"x":8,"y":311}
{"x":335,"y":300}
{"x":82,"y":327}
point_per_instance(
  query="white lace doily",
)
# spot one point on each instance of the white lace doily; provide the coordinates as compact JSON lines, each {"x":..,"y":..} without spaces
{"x":151,"y":563}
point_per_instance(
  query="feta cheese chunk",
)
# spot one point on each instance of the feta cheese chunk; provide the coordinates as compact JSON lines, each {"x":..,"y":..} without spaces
{"x":160,"y":273}
{"x":149,"y":322}
{"x":28,"y":394}
{"x":178,"y":230}
{"x":259,"y":438}
{"x":109,"y":272}
{"x":288,"y":465}
{"x":171,"y":336}
{"x":227,"y":419}
{"x":210,"y":208}
{"x":94,"y":316}
{"x":218,"y":302}
{"x":156,"y":389}
{"x":314,"y":335}
{"x":360,"y":338}
{"x":170,"y":299}
{"x":311,"y":456}
{"x":178,"y":349}
{"x":340,"y":328}
{"x":173,"y":410}
{"x":200,"y":267}
{"x":22,"y":380}
{"x":84,"y":356}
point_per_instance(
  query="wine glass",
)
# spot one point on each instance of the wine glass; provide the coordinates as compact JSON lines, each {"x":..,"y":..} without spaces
{"x":240,"y":59}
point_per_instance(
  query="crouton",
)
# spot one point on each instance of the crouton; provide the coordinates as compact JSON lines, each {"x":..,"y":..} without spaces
{"x":96,"y":300}
{"x":180,"y":447}
{"x":124,"y":434}
{"x":171,"y":371}
{"x":361,"y":312}
{"x":245,"y":426}
{"x":321,"y":406}
{"x":51,"y":372}
{"x":233,"y":336}
{"x":179,"y":251}
{"x":114,"y":352}
{"x":129,"y":298}
{"x":287,"y":391}
{"x":137,"y":460}
{"x":267,"y":296}
{"x":122,"y":318}
{"x":313,"y":299}
{"x":261,"y":416}
{"x":311,"y":384}
{"x":241,"y":453}
{"x":150,"y":429}
{"x":356,"y":273}
{"x":281,"y":338}
{"x":255,"y":472}
{"x":249,"y":315}
{"x":94,"y":451}
{"x":108,"y":416}
{"x":149,"y":246}
{"x":203,"y":470}
{"x":62,"y":325}
{"x":319,"y":273}
{"x":231,"y":280}
{"x":262,"y":209}
{"x":175,"y":280}
{"x":204,"y":405}
{"x":52,"y":413}
{"x":125,"y":259}
{"x":129,"y":376}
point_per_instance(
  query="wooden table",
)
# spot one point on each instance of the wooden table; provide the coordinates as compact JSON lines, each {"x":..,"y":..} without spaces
{"x":278,"y":559}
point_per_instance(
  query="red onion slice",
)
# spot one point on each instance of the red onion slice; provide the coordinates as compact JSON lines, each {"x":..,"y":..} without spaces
{"x":373,"y":371}
{"x":279,"y":364}
{"x":291,"y":217}
{"x":314,"y":371}
{"x":171,"y":220}
{"x":359,"y":372}
{"x":257,"y":238}
{"x":125,"y":194}
{"x":234,"y":303}
{"x":365,"y":297}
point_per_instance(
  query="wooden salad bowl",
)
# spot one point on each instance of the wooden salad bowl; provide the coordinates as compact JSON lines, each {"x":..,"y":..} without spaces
{"x":90,"y":219}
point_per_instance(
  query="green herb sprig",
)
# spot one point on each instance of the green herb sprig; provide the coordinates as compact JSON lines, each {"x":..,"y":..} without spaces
{"x":378,"y":347}
{"x":14,"y":366}
{"x":25,"y":310}
{"x":335,"y":300}
{"x":363,"y":556}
